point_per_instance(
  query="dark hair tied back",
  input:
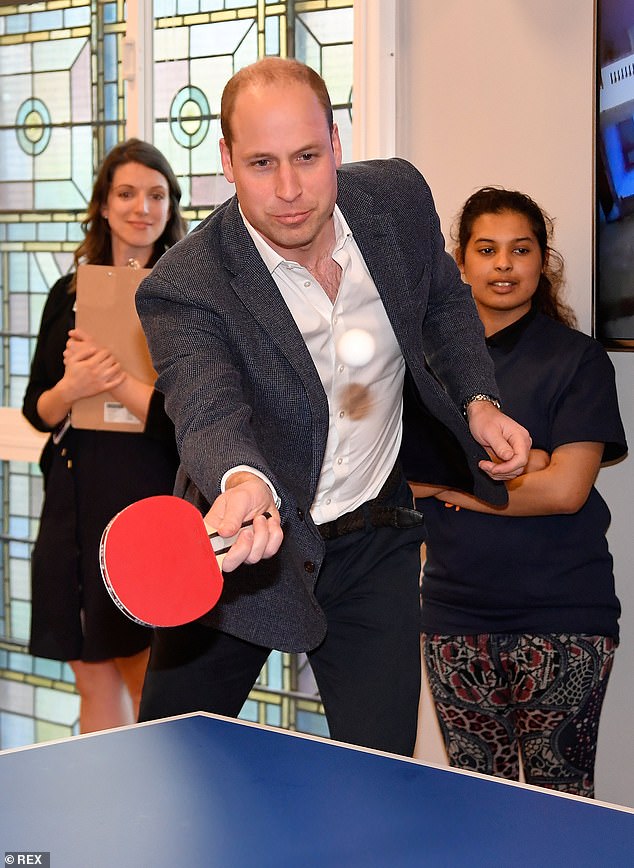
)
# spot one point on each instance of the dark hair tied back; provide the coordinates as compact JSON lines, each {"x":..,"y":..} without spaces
{"x":497,"y":200}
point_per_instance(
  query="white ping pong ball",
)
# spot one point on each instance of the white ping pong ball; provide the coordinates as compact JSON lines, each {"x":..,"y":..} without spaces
{"x":356,"y":348}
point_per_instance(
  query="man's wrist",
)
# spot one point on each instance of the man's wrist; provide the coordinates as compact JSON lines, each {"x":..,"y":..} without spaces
{"x":477,"y":398}
{"x":241,"y":474}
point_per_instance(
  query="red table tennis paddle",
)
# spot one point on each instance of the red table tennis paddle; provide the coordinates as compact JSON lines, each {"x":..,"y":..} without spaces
{"x":160,"y":562}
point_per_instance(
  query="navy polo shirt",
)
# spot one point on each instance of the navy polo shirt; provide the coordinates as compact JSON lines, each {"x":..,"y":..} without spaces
{"x":535,"y":574}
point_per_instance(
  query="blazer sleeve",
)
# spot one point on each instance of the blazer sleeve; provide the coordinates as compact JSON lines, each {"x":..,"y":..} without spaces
{"x":453,"y":334}
{"x":391,"y":211}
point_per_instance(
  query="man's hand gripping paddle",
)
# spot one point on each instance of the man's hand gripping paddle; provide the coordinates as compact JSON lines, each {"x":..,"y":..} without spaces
{"x":160,"y":562}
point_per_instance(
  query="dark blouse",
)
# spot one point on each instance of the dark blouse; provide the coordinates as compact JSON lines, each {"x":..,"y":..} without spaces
{"x":535,"y":574}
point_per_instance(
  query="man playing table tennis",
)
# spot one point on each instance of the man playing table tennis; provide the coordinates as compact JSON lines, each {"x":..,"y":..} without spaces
{"x":243,"y":319}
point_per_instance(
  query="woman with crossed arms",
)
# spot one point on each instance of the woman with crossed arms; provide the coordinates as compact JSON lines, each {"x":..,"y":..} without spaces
{"x":519,"y":615}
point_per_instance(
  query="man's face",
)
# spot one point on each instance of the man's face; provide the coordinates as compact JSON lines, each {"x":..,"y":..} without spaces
{"x":283,"y":162}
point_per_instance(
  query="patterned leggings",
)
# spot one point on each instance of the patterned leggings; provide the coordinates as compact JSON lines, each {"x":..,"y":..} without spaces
{"x":498,"y":696}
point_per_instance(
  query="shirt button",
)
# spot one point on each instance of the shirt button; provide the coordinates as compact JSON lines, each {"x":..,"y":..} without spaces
{"x":339,"y":460}
{"x":340,"y":368}
{"x":309,"y":566}
{"x":300,"y":514}
{"x":341,"y":414}
{"x":307,"y":283}
{"x":328,"y":501}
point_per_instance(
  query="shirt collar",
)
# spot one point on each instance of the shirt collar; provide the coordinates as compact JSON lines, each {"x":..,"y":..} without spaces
{"x":507,"y":338}
{"x":272,"y":259}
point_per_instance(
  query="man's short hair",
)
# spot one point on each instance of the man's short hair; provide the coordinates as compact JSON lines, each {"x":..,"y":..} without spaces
{"x":271,"y":70}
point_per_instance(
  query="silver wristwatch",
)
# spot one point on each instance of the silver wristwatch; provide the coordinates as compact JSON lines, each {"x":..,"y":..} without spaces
{"x":479,"y":397}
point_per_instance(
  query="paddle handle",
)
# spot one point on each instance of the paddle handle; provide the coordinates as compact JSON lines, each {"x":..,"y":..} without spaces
{"x":222,"y":544}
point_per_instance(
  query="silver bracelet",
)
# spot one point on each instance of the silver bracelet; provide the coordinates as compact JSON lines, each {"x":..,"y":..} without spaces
{"x":479,"y":397}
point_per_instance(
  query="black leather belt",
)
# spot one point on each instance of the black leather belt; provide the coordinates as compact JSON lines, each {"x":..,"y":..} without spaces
{"x":374,"y":513}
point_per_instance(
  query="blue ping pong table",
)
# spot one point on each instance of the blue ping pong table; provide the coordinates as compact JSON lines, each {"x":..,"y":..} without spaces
{"x":202,"y":790}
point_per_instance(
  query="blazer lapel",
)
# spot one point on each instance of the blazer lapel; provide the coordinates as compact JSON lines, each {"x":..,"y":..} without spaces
{"x":258,"y":292}
{"x":256,"y":289}
{"x":375,"y":234}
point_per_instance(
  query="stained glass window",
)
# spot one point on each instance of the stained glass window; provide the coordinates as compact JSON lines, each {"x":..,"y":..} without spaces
{"x":63,"y":107}
{"x":199,"y":44}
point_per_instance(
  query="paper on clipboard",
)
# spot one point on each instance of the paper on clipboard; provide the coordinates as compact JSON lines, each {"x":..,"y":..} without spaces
{"x":106,"y":311}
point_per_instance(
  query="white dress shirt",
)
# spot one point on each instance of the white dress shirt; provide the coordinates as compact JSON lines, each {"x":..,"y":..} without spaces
{"x":365,"y":402}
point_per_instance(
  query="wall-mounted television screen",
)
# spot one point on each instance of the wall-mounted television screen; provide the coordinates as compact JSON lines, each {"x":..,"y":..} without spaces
{"x":614,"y":177}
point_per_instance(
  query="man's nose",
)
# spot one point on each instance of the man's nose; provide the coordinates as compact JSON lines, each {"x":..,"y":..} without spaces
{"x":288,"y":184}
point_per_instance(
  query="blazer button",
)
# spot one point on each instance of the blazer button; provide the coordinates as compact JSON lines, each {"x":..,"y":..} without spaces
{"x":300,"y":514}
{"x":309,"y":566}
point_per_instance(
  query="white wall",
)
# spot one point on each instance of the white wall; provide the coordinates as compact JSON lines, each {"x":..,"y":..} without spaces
{"x":501,"y":92}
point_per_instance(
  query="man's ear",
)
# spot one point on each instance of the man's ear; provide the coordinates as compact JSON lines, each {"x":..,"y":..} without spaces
{"x":336,"y":145}
{"x":227,"y":165}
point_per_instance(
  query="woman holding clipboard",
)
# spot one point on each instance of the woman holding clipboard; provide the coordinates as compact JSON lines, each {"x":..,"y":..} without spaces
{"x":89,"y":475}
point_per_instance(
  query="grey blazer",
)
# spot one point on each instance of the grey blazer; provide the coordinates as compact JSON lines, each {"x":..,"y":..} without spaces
{"x":241,"y":386}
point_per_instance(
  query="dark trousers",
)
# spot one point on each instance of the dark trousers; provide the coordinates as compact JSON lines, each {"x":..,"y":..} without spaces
{"x":367,"y":668}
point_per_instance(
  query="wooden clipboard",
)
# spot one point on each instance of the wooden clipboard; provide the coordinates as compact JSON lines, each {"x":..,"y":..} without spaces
{"x":106,"y":311}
